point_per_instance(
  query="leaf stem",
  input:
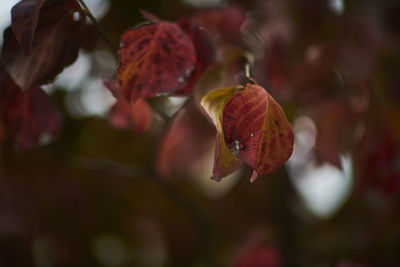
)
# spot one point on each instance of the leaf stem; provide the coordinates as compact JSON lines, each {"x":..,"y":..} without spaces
{"x":99,"y":29}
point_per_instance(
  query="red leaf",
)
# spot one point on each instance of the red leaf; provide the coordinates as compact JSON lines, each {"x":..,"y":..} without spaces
{"x":154,"y":59}
{"x":205,"y":52}
{"x":256,"y":130}
{"x":53,"y":46}
{"x":226,"y":22}
{"x":26,"y":116}
{"x":185,"y":142}
{"x":24,"y":17}
{"x":124,"y":116}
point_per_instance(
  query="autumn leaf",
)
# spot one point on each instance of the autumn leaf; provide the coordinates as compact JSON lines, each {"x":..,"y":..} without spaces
{"x":155,"y":59}
{"x":26,"y":117}
{"x":24,"y":17}
{"x":256,"y":130}
{"x":213,"y":103}
{"x":124,"y":115}
{"x":251,"y":126}
{"x":52,"y":48}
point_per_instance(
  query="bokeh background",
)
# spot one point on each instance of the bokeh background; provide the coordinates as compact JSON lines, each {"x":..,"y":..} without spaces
{"x":101,"y":196}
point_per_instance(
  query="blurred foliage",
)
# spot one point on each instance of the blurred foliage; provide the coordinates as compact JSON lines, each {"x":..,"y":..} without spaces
{"x":93,"y":197}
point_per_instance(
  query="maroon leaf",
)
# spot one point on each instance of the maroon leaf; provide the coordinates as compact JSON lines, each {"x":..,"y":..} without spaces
{"x":53,"y":48}
{"x":26,"y":117}
{"x":24,"y":17}
{"x":256,"y":130}
{"x":154,"y":59}
{"x":136,"y":115}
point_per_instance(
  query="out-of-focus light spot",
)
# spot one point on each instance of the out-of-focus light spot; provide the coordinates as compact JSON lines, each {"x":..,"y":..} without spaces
{"x":203,"y":172}
{"x":337,"y":6}
{"x":95,"y":99}
{"x":5,"y":16}
{"x":98,"y":7}
{"x":313,"y":53}
{"x":151,"y":250}
{"x":110,"y":250}
{"x":306,"y":133}
{"x":73,"y":76}
{"x":204,"y":3}
{"x":42,"y":252}
{"x":323,"y":188}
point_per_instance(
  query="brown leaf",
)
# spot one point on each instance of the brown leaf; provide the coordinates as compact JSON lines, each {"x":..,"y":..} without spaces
{"x":155,"y":59}
{"x":53,"y":47}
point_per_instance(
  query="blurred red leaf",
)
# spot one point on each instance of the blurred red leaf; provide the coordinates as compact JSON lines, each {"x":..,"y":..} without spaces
{"x":226,"y":22}
{"x":184,"y":142}
{"x":205,"y":52}
{"x":52,"y":48}
{"x":154,"y":59}
{"x":26,"y":116}
{"x":256,"y":130}
{"x":123,"y":115}
{"x":259,"y":256}
{"x":24,"y":17}
{"x":377,"y":158}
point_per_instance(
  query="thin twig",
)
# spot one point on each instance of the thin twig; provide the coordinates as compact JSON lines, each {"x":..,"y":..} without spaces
{"x":99,"y":29}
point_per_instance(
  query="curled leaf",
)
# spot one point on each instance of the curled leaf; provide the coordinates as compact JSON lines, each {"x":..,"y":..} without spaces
{"x":213,"y":103}
{"x":256,"y":130}
{"x":155,"y":59}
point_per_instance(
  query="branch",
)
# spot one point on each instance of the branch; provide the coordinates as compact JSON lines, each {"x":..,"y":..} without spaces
{"x":99,"y":29}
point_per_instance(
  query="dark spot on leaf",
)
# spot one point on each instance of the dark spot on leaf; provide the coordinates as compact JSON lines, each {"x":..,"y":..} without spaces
{"x":165,"y":47}
{"x":276,"y":123}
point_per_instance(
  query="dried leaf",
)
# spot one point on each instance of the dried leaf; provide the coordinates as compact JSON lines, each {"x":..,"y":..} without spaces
{"x":155,"y":59}
{"x":256,"y":130}
{"x":213,"y":103}
{"x":52,"y":47}
{"x":24,"y":17}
